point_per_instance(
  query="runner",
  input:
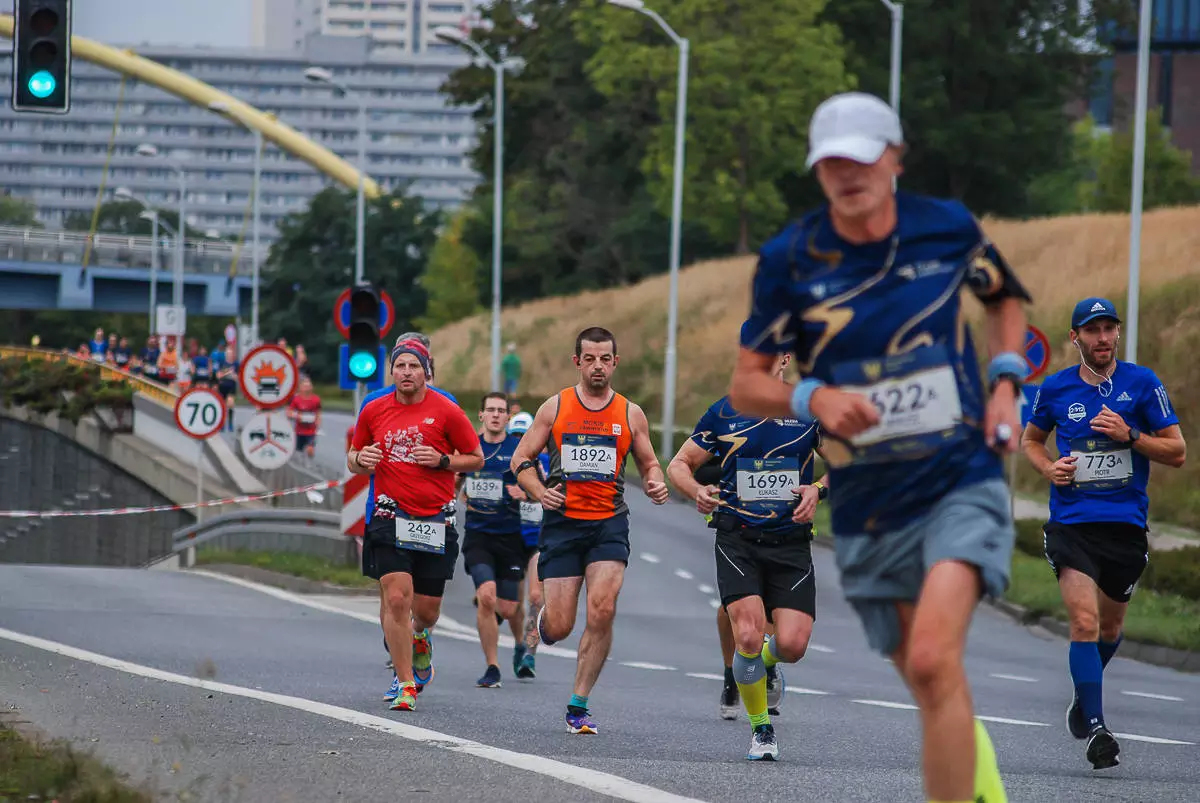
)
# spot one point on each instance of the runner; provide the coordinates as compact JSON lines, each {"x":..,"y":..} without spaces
{"x":762,"y":510}
{"x":589,"y":430}
{"x":1113,"y":419}
{"x":866,"y":292}
{"x":227,"y":382}
{"x":493,"y":551}
{"x":412,"y":442}
{"x":149,"y":358}
{"x":123,"y":355}
{"x":202,"y":368}
{"x":305,"y":411}
{"x":531,"y":531}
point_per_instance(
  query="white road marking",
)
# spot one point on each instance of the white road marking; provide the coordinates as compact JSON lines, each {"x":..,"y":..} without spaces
{"x":705,"y":676}
{"x":705,"y":588}
{"x":644,"y":665}
{"x":1151,"y":739}
{"x":1150,"y":696}
{"x":683,"y":574}
{"x":1018,"y":678}
{"x":802,"y":690}
{"x":886,"y":704}
{"x":820,"y":648}
{"x":446,"y":627}
{"x":649,"y":558}
{"x":592,"y":780}
{"x":1007,"y":721}
{"x":715,"y":603}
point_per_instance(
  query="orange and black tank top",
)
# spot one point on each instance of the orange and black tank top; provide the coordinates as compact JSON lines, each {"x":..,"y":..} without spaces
{"x":587,"y":450}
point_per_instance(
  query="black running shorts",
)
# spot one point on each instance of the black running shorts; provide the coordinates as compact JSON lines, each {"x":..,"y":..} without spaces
{"x":430,"y":571}
{"x":1114,"y":554}
{"x":780,"y":570}
{"x":499,"y":559}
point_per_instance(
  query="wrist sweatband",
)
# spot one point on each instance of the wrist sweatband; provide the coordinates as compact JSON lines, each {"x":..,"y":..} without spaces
{"x":1008,"y":364}
{"x":802,"y":395}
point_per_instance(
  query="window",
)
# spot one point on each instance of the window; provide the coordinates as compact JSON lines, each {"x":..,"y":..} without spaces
{"x":445,"y":8}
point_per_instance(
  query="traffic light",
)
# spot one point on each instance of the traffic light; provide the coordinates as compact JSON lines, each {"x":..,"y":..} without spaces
{"x":363,"y":362}
{"x":42,"y":56}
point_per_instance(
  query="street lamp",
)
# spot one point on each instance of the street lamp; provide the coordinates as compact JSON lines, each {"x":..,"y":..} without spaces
{"x":514,"y":65}
{"x":126,"y":194}
{"x":1139,"y":175}
{"x":668,"y":416}
{"x":151,"y":151}
{"x":897,"y":10}
{"x":222,"y":108}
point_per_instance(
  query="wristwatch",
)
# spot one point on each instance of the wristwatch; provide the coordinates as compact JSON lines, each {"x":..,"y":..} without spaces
{"x":822,"y":491}
{"x":1134,"y":435}
{"x":444,"y":463}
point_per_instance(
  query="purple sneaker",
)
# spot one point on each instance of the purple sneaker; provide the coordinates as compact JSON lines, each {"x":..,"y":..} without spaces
{"x":581,"y":722}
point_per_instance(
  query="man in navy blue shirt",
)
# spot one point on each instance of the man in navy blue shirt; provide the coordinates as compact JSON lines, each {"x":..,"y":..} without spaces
{"x":1111,"y":420}
{"x":866,"y":292}
{"x":762,"y":509}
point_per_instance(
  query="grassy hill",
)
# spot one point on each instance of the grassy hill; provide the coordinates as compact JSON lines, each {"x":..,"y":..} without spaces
{"x":1060,"y":260}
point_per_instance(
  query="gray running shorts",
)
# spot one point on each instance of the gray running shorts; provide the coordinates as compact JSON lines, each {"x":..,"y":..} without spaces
{"x":972,"y":524}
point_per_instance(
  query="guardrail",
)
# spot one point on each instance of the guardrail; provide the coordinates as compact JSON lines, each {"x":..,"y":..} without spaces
{"x":314,"y":532}
{"x":152,"y":390}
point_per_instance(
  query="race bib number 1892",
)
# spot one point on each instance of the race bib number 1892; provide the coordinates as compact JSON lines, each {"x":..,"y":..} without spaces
{"x":589,"y":457}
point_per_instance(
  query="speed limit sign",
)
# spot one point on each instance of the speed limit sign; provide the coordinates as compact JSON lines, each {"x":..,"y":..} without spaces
{"x":200,"y":413}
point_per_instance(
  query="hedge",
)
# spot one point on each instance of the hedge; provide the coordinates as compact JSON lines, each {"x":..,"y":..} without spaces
{"x":51,"y":386}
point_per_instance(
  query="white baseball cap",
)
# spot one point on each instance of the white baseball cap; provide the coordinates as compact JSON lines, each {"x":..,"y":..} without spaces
{"x":852,"y":125}
{"x":521,"y":422}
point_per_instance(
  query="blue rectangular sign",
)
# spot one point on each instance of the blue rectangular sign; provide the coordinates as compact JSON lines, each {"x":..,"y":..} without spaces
{"x":346,"y":382}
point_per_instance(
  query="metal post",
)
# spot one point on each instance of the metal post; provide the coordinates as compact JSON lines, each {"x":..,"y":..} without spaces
{"x":360,"y":220}
{"x":668,"y":416}
{"x":497,"y":219}
{"x":1139,"y":175}
{"x":897,"y":10}
{"x":153,"y":273}
{"x":180,"y":238}
{"x":254,"y":296}
{"x":199,"y":478}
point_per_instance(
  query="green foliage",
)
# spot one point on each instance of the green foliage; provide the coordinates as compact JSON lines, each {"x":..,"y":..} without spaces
{"x":450,"y":279}
{"x":32,"y":770}
{"x":313,"y":261}
{"x":123,"y":217}
{"x":757,"y":72}
{"x":18,"y":212}
{"x":53,"y":386}
{"x":297,"y":564}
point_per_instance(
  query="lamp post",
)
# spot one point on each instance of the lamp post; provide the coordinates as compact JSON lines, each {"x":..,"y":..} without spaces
{"x":152,"y":151}
{"x":514,"y":65}
{"x":126,"y":194}
{"x":223,"y":109}
{"x":669,"y":367}
{"x":897,"y":10}
{"x":1139,"y":175}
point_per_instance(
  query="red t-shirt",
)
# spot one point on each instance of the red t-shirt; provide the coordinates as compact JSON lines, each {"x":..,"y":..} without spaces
{"x":436,"y":422}
{"x":307,"y":408}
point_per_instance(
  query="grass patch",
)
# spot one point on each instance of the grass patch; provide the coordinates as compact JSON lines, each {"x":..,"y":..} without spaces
{"x":31,"y":770}
{"x":309,"y":567}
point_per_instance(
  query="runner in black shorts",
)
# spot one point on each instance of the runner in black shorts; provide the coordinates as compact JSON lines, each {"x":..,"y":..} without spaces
{"x":493,"y":552}
{"x":762,"y":512}
{"x":531,"y":533}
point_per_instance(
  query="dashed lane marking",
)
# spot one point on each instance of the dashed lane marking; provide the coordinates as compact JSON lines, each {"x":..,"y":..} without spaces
{"x":645,"y":665}
{"x":705,"y":588}
{"x":683,"y":574}
{"x":1150,"y":696}
{"x":1133,"y":737}
{"x":650,"y":558}
{"x":887,"y":704}
{"x":1017,"y":678}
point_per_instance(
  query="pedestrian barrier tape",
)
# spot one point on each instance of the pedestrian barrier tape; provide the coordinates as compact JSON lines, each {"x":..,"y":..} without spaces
{"x":127,"y":511}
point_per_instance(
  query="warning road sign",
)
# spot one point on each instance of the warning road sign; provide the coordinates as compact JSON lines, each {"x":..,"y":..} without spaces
{"x":268,"y":440}
{"x":268,"y":377}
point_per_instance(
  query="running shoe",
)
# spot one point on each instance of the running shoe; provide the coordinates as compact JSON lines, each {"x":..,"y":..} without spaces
{"x":730,"y":701}
{"x":528,"y":668}
{"x":1075,"y":722}
{"x":1102,"y":749}
{"x":407,"y":701}
{"x":542,"y":633}
{"x":580,"y":721}
{"x":518,"y":657}
{"x":763,"y":746}
{"x":490,"y":679}
{"x":394,"y":691}
{"x":422,"y":658}
{"x":776,"y":686}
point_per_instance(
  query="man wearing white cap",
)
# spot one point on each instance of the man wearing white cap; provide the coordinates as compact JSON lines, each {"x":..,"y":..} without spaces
{"x":865,"y":291}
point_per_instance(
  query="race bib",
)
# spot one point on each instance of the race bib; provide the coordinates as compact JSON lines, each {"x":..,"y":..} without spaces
{"x":916,"y":395}
{"x":589,"y":458}
{"x":485,"y":488}
{"x":308,"y":418}
{"x":531,"y":513}
{"x":1101,"y":464}
{"x":767,"y":479}
{"x":422,"y":535}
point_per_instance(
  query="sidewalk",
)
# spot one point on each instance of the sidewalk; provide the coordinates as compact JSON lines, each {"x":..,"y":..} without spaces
{"x":1162,"y":537}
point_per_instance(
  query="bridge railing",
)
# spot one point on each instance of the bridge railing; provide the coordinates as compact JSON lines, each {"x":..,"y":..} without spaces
{"x":119,"y":251}
{"x":153,"y":390}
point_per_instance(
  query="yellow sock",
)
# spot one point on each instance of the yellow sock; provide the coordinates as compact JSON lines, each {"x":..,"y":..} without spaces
{"x":769,"y":659}
{"x":988,"y":786}
{"x":754,"y":697}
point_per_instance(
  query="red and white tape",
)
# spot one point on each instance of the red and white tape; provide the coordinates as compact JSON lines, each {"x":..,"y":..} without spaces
{"x":126,"y":511}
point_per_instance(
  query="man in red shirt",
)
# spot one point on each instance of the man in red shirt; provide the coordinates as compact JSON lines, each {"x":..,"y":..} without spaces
{"x":414,"y":442}
{"x":305,"y":412}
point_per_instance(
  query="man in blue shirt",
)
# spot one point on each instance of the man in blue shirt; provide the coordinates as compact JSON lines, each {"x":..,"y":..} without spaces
{"x":531,"y":531}
{"x":1113,"y":419}
{"x":762,"y":510}
{"x":866,"y":292}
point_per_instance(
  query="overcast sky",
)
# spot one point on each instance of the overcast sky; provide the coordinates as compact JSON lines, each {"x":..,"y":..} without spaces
{"x":216,"y":23}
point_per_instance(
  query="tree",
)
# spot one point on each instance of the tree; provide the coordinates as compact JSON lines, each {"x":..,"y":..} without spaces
{"x":450,"y":280}
{"x":312,"y":261}
{"x":18,"y":212}
{"x":1168,"y":172}
{"x":758,"y":70}
{"x":124,"y":217}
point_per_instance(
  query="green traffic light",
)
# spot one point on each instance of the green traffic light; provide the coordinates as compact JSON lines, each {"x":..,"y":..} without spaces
{"x":363,"y":365}
{"x":42,"y":84}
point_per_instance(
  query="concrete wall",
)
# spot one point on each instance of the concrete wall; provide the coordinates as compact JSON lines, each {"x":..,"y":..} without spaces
{"x":335,"y":549}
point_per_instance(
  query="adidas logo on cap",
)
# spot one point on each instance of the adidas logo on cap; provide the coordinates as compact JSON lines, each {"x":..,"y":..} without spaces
{"x":1097,"y":307}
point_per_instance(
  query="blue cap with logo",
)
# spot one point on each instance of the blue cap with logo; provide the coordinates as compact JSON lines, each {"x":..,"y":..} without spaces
{"x":1090,"y":309}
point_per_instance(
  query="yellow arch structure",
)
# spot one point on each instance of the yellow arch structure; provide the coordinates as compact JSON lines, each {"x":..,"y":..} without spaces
{"x":201,"y":94}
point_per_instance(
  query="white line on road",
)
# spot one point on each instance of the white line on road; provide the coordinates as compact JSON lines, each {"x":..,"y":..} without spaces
{"x":886,"y":704}
{"x":802,"y":690}
{"x":1151,"y":739}
{"x":649,"y":558}
{"x":1007,"y":721}
{"x":1150,"y":696}
{"x":644,"y":665}
{"x":705,"y":588}
{"x":1018,"y":678}
{"x":715,"y":603}
{"x":821,"y":648}
{"x":704,"y":676}
{"x":592,"y":780}
{"x":683,"y":574}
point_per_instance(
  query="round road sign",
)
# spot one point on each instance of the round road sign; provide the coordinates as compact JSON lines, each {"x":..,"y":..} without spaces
{"x":268,"y":440}
{"x":341,"y":313}
{"x":268,"y":377}
{"x":200,"y":413}
{"x":1037,"y":353}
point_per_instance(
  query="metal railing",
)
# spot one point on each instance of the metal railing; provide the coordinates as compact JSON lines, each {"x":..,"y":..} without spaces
{"x":153,"y":390}
{"x":313,"y":532}
{"x":120,"y":251}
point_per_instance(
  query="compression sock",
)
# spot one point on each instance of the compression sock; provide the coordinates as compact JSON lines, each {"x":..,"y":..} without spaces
{"x":988,"y":786}
{"x":578,"y":702}
{"x":1108,"y":649}
{"x":1087,"y":672}
{"x":769,"y":656}
{"x":751,"y":677}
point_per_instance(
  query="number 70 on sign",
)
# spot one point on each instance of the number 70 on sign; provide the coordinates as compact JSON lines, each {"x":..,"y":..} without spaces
{"x":200,"y":413}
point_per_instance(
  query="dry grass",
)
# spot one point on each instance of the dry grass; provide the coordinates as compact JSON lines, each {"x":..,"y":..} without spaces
{"x":1059,"y":259}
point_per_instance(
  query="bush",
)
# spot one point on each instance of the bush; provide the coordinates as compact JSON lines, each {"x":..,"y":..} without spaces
{"x":69,"y":389}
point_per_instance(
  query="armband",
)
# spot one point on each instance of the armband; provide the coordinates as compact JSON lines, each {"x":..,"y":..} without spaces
{"x":1008,"y":365}
{"x":528,"y":464}
{"x":802,"y":395}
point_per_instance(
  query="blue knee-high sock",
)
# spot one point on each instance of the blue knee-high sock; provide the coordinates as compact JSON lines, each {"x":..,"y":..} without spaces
{"x":1108,"y":649}
{"x":1087,"y":672}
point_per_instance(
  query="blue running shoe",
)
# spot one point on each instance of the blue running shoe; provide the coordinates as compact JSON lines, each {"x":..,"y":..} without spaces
{"x":518,"y":658}
{"x":422,"y":658}
{"x":394,"y":691}
{"x":528,"y":668}
{"x":580,"y":721}
{"x":490,"y":679}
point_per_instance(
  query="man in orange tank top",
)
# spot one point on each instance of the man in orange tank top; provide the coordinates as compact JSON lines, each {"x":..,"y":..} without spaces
{"x":589,"y":430}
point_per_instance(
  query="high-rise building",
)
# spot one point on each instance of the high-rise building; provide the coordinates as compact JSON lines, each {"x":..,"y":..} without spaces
{"x":396,"y":27}
{"x":414,"y":137}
